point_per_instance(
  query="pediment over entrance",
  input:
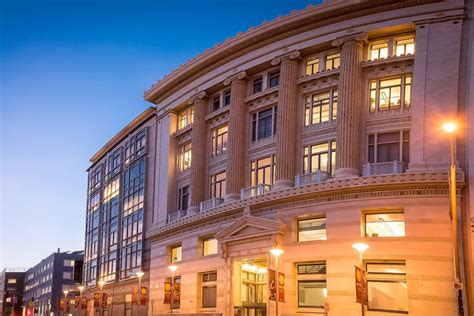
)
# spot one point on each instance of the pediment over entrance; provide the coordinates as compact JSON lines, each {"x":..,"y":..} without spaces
{"x":249,"y":226}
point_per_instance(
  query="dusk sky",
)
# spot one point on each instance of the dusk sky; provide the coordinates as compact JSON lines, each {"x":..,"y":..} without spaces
{"x":72,"y":74}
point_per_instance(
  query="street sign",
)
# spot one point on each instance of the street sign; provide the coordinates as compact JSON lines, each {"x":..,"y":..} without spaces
{"x":361,"y":286}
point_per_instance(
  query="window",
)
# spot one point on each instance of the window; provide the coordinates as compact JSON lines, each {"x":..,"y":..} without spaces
{"x":185,"y":157}
{"x":312,"y":66}
{"x":135,"y":147}
{"x":386,"y":147}
{"x":218,"y":185}
{"x":263,"y":171}
{"x":320,"y":157}
{"x":216,"y":103}
{"x":333,"y":61}
{"x":185,"y":118}
{"x":209,"y":246}
{"x":312,"y":287}
{"x":387,"y":224}
{"x":95,"y":177}
{"x":219,"y":140}
{"x":274,"y":79}
{"x":257,"y":85}
{"x":312,"y":229}
{"x":183,"y":198}
{"x":67,"y":275}
{"x":405,"y":47}
{"x":226,"y":97}
{"x":387,"y":286}
{"x":68,"y":263}
{"x":114,"y":163}
{"x":320,"y":108}
{"x":209,"y":289}
{"x":389,"y":94}
{"x":134,"y":188}
{"x":11,"y":281}
{"x":378,"y":51}
{"x":264,"y":124}
{"x":111,"y":190}
{"x":176,"y":254}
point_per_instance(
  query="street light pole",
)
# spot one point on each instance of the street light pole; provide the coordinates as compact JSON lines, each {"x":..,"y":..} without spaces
{"x":172,"y":268}
{"x":65,"y":300}
{"x":81,"y":288}
{"x":361,"y":248}
{"x":139,"y":275}
{"x":276,"y":252}
{"x":101,"y":309}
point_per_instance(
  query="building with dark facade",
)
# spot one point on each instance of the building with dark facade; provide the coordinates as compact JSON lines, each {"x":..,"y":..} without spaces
{"x":45,"y":282}
{"x":11,"y":285}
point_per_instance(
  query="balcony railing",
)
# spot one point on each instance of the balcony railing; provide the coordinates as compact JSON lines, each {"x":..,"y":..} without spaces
{"x":210,"y":204}
{"x":176,"y":216}
{"x":381,"y":168}
{"x":313,"y":177}
{"x":257,"y":190}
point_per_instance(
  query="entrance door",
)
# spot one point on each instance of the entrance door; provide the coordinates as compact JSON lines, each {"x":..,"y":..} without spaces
{"x":250,"y":287}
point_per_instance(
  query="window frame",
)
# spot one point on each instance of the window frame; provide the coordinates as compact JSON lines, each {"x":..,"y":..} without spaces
{"x":216,"y":185}
{"x":331,"y":60}
{"x":298,"y":220}
{"x":209,"y":284}
{"x":274,"y":78}
{"x":185,"y":157}
{"x":375,"y":91}
{"x":310,"y":278}
{"x":383,"y":212}
{"x":185,"y":118}
{"x":257,"y":120}
{"x":203,"y":241}
{"x":219,"y":140}
{"x":310,"y":105}
{"x":254,"y":170}
{"x":311,"y":66}
{"x":184,"y":194}
{"x":331,"y":157}
{"x":403,"y":144}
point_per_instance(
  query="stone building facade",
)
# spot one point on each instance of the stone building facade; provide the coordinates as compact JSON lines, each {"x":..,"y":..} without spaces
{"x":310,"y":133}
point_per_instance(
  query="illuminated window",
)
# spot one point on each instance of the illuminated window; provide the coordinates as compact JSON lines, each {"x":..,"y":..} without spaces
{"x":257,"y":85}
{"x":333,"y":61}
{"x":185,"y":118}
{"x":405,"y":47}
{"x":11,"y":281}
{"x":209,"y":289}
{"x":387,"y":147}
{"x":185,"y":157}
{"x":388,"y":224}
{"x":113,"y":164}
{"x":312,"y":67}
{"x":219,"y":140}
{"x":320,"y":108}
{"x":389,"y":94}
{"x":209,"y":246}
{"x":320,"y":157}
{"x":263,"y":171}
{"x":312,"y":287}
{"x":274,"y":79}
{"x":111,"y":190}
{"x":218,"y":185}
{"x":312,"y":229}
{"x":387,"y":286}
{"x":176,"y":253}
{"x":378,"y":51}
{"x":264,"y":124}
{"x":183,"y":198}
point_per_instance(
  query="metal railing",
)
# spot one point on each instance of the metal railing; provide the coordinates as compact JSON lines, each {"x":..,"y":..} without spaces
{"x":313,"y":177}
{"x":381,"y":168}
{"x":176,"y":216}
{"x":210,"y":204}
{"x":257,"y":190}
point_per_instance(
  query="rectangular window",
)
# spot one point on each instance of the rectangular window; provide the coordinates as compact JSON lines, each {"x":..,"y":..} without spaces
{"x":312,"y":287}
{"x":218,"y":185}
{"x":134,"y":188}
{"x":183,"y":198}
{"x":387,"y":224}
{"x":378,"y":51}
{"x":312,"y":66}
{"x":176,"y":253}
{"x":11,"y":281}
{"x":312,"y":229}
{"x":68,"y":263}
{"x":209,"y":289}
{"x":263,"y":171}
{"x":185,"y":157}
{"x":390,"y":94}
{"x":111,"y":190}
{"x":227,"y":98}
{"x":219,"y":140}
{"x":185,"y":118}
{"x":320,"y":108}
{"x":114,"y":164}
{"x":320,"y":157}
{"x":209,"y":246}
{"x":257,"y":85}
{"x":387,"y":287}
{"x":67,"y":275}
{"x":95,"y":178}
{"x":274,"y":79}
{"x":135,"y":147}
{"x":333,"y":61}
{"x":387,"y":147}
{"x":264,"y":124}
{"x":216,"y":103}
{"x":405,"y":47}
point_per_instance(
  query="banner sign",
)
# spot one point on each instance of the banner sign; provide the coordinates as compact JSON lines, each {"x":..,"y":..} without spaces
{"x":176,"y":293}
{"x":77,"y":301}
{"x":167,"y":299}
{"x":135,"y":296}
{"x":62,"y":304}
{"x":96,"y":299}
{"x":84,"y":303}
{"x":281,"y":287}
{"x":143,"y":295}
{"x":104,"y":300}
{"x":272,"y":285}
{"x":362,"y":296}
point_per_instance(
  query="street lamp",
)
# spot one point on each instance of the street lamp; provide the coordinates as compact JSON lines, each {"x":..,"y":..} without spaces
{"x":276,"y":252}
{"x":101,"y":285}
{"x":173,"y":269}
{"x":361,"y":248}
{"x":65,"y":299}
{"x":139,"y":275}
{"x":81,"y":288}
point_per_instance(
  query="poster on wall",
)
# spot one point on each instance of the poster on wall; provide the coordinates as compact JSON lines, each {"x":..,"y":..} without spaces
{"x":143,"y":295}
{"x":62,"y":305}
{"x":96,"y":299}
{"x":135,"y":296}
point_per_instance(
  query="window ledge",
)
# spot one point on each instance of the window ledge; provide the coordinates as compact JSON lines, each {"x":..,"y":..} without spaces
{"x":388,"y":60}
{"x":311,"y":310}
{"x":261,"y":94}
{"x":322,"y":74}
{"x":182,"y":131}
{"x":217,"y":113}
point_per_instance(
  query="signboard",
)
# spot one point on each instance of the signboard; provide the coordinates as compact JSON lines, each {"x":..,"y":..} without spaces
{"x":272,"y":284}
{"x":62,"y":305}
{"x":135,"y":296}
{"x":77,"y":301}
{"x":143,"y":295}
{"x":361,"y":286}
{"x":167,"y":299}
{"x":176,"y":293}
{"x":96,"y":299}
{"x":281,"y":287}
{"x":83,"y":302}
{"x":104,"y":300}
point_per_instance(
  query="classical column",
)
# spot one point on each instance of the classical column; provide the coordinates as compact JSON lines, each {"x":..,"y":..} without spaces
{"x":198,"y":151}
{"x":286,"y":120}
{"x":236,"y":152}
{"x":349,"y":106}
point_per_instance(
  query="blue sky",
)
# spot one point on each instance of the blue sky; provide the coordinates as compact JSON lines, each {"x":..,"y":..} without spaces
{"x":72,"y":74}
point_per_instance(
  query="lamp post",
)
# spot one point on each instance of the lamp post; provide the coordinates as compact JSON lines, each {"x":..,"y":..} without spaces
{"x":139,"y":275}
{"x":81,"y":288}
{"x":173,"y":269}
{"x":361,"y":248}
{"x":65,"y":300}
{"x":101,"y":285}
{"x":276,"y":252}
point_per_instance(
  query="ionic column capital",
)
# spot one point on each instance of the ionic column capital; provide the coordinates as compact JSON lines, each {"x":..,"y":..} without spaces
{"x":238,"y":76}
{"x":291,"y":56}
{"x":198,"y":97}
{"x":359,"y":38}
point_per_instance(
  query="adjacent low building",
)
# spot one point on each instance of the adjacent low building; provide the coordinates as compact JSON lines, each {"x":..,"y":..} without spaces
{"x":11,"y":287}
